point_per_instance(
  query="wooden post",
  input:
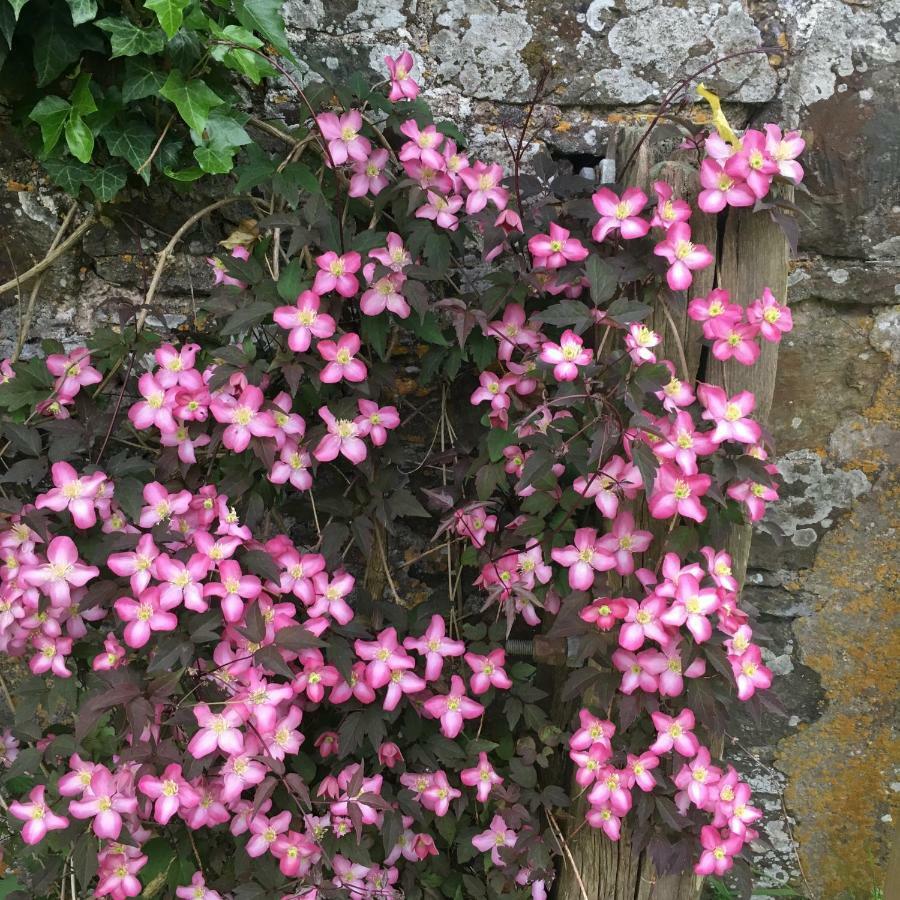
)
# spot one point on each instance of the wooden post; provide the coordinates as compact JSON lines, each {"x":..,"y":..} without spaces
{"x":752,"y":255}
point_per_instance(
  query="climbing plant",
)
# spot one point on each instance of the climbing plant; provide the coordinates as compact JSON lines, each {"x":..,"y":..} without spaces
{"x":230,"y":692}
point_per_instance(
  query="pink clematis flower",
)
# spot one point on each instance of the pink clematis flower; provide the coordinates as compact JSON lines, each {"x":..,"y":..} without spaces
{"x":292,"y":466}
{"x":623,"y":542}
{"x":155,"y":409}
{"x":342,"y":135}
{"x":555,"y":250}
{"x":244,"y":417}
{"x":73,"y":492}
{"x":144,"y":616}
{"x":753,"y":164}
{"x":640,"y":767}
{"x":639,"y":671}
{"x":716,"y":305}
{"x":639,"y":343}
{"x":684,"y":444}
{"x":170,"y":793}
{"x":336,"y":273}
{"x":675,"y":493}
{"x":611,"y":790}
{"x":718,"y":851}
{"x":691,"y":607}
{"x":435,"y":646}
{"x":368,"y":175}
{"x":402,"y":85}
{"x":73,"y":372}
{"x":37,"y":816}
{"x":233,"y":589}
{"x":682,"y":256}
{"x":453,"y":708}
{"x":750,"y":673}
{"x":343,"y":438}
{"x":622,"y":215}
{"x":493,"y":389}
{"x":438,"y":794}
{"x":754,"y":495}
{"x":482,"y":777}
{"x":402,"y":682}
{"x":643,"y":620}
{"x":50,"y":655}
{"x":566,"y":356}
{"x":584,"y":557}
{"x":330,"y":594}
{"x":729,"y":415}
{"x":592,"y":730}
{"x":614,"y":479}
{"x":604,"y":817}
{"x":497,"y":835}
{"x":698,"y":778}
{"x":304,"y":322}
{"x":264,"y":832}
{"x":341,"y":361}
{"x":217,"y":731}
{"x":773,"y":318}
{"x":136,"y":563}
{"x":441,"y":210}
{"x":734,"y":341}
{"x":394,"y":256}
{"x":483,"y":183}
{"x":315,"y":676}
{"x":604,"y":612}
{"x":668,"y":211}
{"x":383,"y":656}
{"x":784,"y":150}
{"x":374,"y":421}
{"x":105,"y":804}
{"x":197,"y":890}
{"x":675,"y":732}
{"x":721,"y":189}
{"x":61,"y":572}
{"x":512,"y":331}
{"x":488,"y":671}
{"x":384,"y":294}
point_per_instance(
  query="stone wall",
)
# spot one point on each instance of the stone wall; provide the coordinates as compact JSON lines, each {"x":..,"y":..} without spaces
{"x":823,"y":570}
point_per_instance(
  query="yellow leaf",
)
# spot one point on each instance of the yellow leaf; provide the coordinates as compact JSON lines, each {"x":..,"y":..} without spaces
{"x":718,"y":117}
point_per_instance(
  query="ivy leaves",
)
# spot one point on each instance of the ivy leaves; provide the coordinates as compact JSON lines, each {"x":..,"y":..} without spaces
{"x":166,"y":103}
{"x":55,"y":116}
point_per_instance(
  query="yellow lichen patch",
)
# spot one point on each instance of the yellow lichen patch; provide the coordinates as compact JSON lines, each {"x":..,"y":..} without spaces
{"x":839,"y":767}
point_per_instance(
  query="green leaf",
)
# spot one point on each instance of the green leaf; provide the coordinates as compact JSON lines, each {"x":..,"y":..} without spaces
{"x":7,"y":26}
{"x":215,"y":160}
{"x":247,"y":316}
{"x":132,"y":141}
{"x":69,"y":174}
{"x":81,"y":98}
{"x":50,"y":113}
{"x":169,"y":13}
{"x":264,"y":18}
{"x":258,"y":168}
{"x":290,"y":281}
{"x":186,"y":175}
{"x":248,"y":63}
{"x":602,"y":279}
{"x":106,"y":182}
{"x":17,"y":7}
{"x":193,"y":99}
{"x":142,"y":79}
{"x":127,"y":39}
{"x":226,"y":129}
{"x":82,"y":11}
{"x":56,"y":46}
{"x":567,"y":314}
{"x":498,"y":441}
{"x":79,"y":138}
